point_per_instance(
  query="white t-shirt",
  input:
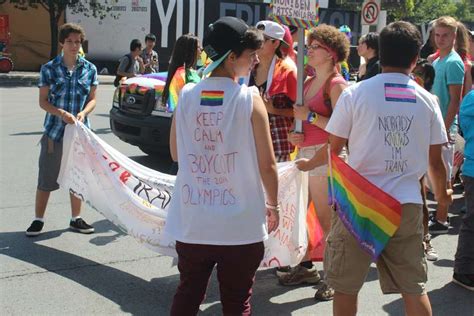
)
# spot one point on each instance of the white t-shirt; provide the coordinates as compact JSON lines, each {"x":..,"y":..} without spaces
{"x":218,"y":197}
{"x":390,"y":122}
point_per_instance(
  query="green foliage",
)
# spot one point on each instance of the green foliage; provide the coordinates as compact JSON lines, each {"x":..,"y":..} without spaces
{"x":465,"y":10}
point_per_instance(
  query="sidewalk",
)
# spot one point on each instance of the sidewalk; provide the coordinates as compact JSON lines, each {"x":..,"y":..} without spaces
{"x":28,"y":79}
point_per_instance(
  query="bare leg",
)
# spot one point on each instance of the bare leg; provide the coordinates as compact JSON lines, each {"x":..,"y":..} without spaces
{"x":75,"y":205}
{"x":318,"y":190}
{"x":425,"y":207}
{"x":318,"y":187}
{"x":418,"y":305}
{"x":42,"y":198}
{"x":442,"y":210}
{"x":344,"y":304}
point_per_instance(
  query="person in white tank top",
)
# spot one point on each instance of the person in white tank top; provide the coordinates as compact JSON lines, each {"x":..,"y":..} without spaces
{"x":220,"y":137}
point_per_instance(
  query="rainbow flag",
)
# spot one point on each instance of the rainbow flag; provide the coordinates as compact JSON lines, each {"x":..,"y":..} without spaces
{"x":177,"y":83}
{"x":212,"y":98}
{"x":371,"y":215}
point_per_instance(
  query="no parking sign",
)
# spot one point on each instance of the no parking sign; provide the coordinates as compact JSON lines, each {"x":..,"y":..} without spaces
{"x":370,"y":12}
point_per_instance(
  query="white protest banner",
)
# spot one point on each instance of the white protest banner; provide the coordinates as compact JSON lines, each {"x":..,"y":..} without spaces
{"x":136,"y":198}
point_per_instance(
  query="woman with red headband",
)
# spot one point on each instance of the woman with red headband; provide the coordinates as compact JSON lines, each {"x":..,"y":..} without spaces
{"x":327,"y":47}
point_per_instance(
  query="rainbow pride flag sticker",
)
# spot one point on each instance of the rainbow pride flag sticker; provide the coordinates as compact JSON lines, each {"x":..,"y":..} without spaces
{"x":212,"y":98}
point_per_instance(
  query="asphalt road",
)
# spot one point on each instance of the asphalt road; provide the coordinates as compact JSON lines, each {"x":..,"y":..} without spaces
{"x":108,"y":273}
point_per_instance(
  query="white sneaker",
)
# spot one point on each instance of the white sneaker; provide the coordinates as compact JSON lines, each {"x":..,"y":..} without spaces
{"x":430,"y":252}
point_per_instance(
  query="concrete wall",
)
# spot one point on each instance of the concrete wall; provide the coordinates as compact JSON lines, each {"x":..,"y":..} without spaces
{"x":30,"y":41}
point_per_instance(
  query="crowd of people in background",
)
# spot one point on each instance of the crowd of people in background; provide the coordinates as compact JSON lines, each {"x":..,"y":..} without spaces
{"x":252,"y":78}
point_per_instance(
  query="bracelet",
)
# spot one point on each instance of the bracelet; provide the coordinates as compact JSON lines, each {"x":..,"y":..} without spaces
{"x":273,"y":207}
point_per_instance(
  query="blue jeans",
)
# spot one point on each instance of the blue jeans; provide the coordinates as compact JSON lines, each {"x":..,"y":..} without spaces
{"x":464,"y":258}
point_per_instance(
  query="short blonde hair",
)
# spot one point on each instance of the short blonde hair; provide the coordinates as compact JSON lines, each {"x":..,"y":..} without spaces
{"x":447,"y":22}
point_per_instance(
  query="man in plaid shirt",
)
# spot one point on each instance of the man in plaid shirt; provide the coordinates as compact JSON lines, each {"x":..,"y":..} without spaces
{"x":68,"y":86}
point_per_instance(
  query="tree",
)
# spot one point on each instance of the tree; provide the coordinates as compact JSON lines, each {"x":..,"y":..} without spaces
{"x":56,"y":9}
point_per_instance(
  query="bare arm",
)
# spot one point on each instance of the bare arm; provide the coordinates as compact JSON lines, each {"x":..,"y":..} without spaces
{"x":467,"y":80}
{"x":90,"y":104}
{"x":142,"y":65}
{"x":272,"y":110}
{"x":265,"y":158}
{"x":51,"y":109}
{"x":321,"y":156}
{"x":173,"y":145}
{"x":453,"y":107}
{"x":437,"y":173}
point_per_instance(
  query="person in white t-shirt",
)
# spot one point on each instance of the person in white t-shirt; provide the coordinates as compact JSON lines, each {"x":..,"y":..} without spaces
{"x":395,"y":132}
{"x":220,"y":136}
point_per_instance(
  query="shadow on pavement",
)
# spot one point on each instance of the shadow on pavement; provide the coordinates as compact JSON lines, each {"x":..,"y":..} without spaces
{"x":133,"y":294}
{"x":102,"y":115}
{"x":27,"y":133}
{"x":445,"y":263}
{"x":448,"y":300}
{"x":104,"y":226}
{"x":266,"y":288}
{"x":102,"y":131}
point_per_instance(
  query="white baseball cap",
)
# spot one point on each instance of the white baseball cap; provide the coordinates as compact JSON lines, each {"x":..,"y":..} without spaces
{"x":272,"y":30}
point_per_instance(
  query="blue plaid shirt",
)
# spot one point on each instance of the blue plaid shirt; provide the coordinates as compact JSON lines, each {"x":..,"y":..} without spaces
{"x":67,"y":90}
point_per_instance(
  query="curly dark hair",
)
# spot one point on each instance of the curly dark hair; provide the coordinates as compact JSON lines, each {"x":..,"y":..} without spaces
{"x":332,"y":38}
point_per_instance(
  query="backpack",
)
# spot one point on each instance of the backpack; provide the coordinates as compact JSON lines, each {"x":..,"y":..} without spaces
{"x":118,"y":77}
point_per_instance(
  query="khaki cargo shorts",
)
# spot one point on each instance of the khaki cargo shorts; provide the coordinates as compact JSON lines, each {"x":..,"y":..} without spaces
{"x":401,"y":266}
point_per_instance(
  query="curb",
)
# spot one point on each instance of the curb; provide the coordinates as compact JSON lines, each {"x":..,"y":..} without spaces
{"x":7,"y":80}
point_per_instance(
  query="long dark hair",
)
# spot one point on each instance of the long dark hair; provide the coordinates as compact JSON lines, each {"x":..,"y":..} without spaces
{"x":184,"y":54}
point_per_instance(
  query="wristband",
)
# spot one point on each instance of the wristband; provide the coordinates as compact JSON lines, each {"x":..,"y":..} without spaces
{"x":312,"y":118}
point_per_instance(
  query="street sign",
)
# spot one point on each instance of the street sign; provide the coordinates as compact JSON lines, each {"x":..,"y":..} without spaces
{"x":370,"y":12}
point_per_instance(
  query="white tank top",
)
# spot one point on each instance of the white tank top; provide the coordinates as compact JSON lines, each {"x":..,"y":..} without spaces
{"x":218,"y":197}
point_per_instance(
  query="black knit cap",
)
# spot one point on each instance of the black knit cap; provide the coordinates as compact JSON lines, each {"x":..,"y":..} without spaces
{"x":223,"y":35}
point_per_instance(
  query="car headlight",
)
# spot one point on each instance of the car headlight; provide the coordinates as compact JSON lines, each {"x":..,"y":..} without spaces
{"x":116,"y":99}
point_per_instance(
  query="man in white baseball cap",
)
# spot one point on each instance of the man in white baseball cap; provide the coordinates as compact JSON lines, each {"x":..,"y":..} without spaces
{"x":275,"y":77}
{"x":272,"y":30}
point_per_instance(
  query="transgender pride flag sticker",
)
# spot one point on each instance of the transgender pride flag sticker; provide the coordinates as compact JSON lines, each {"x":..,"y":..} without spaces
{"x":398,"y":92}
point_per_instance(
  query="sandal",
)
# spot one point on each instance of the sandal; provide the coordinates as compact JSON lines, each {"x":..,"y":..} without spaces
{"x":324,"y":293}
